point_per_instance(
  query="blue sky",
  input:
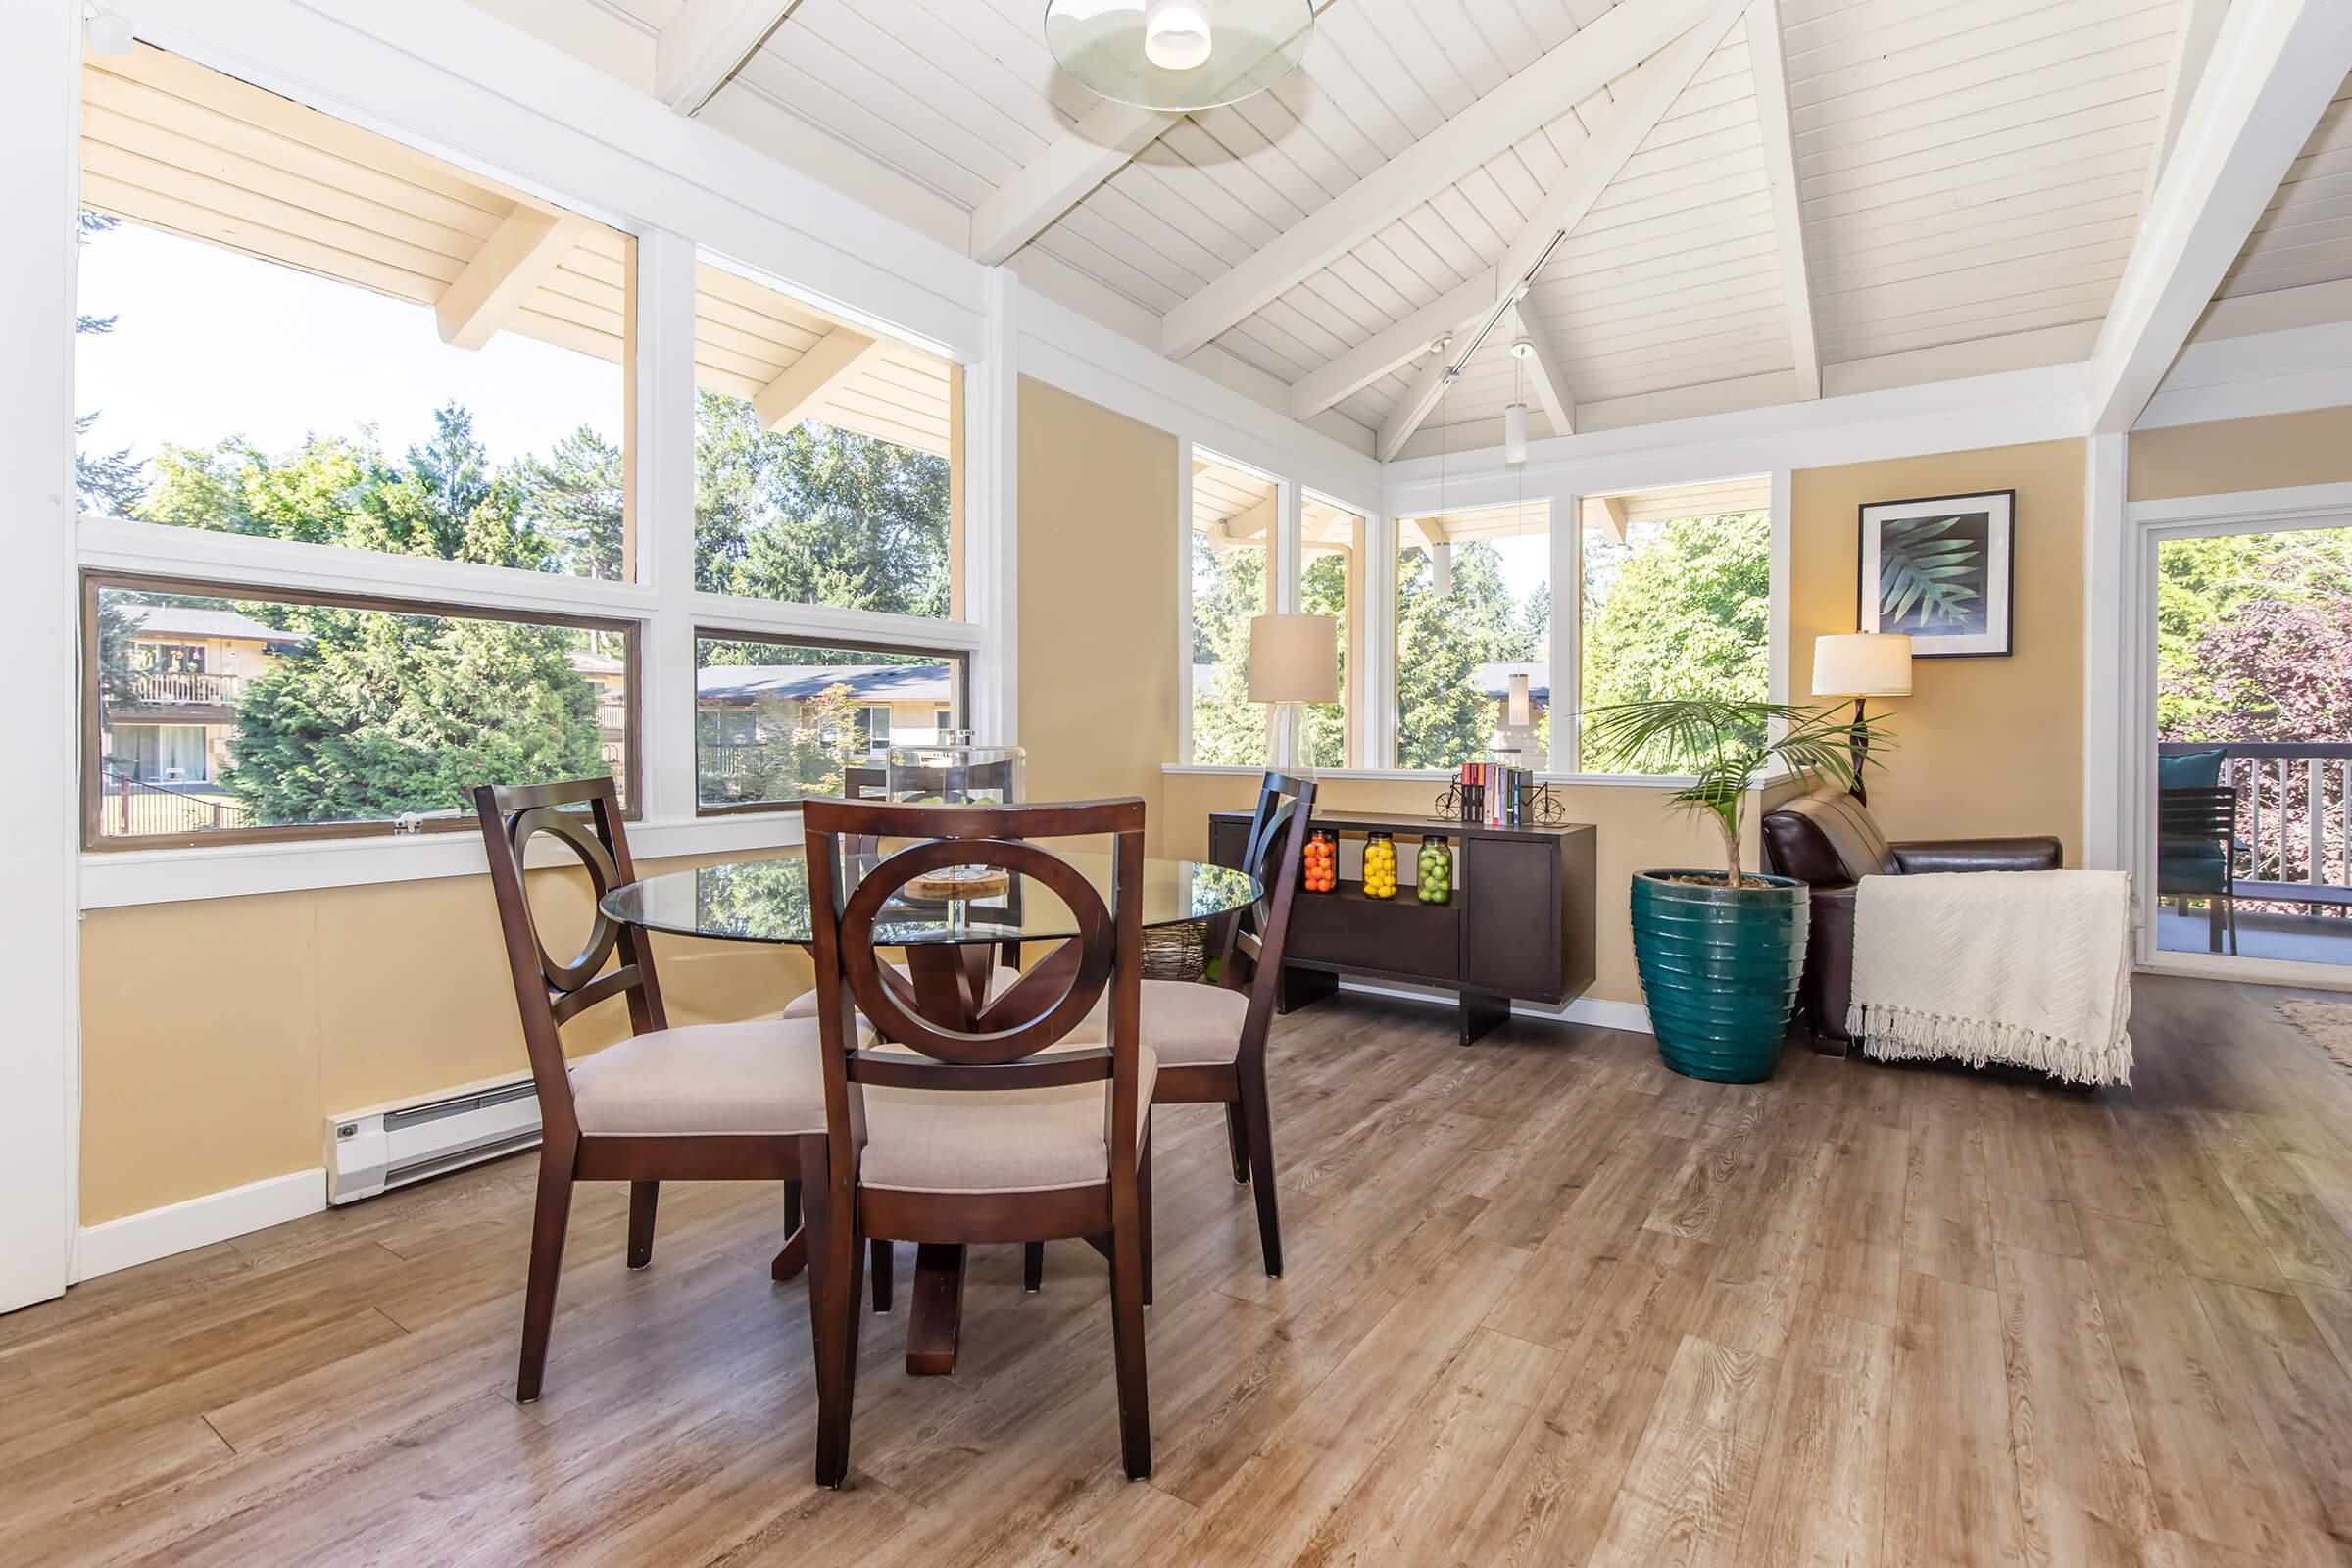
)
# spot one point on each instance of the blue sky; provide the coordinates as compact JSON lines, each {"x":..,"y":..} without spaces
{"x":210,"y":343}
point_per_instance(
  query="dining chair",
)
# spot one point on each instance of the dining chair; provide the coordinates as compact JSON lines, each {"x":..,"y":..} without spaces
{"x":721,"y":1102}
{"x":979,"y":1120}
{"x":1210,"y":1039}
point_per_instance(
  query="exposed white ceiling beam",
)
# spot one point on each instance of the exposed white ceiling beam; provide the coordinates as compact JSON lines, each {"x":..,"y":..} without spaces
{"x":1559,"y":80}
{"x":829,"y":364}
{"x":1083,"y":157}
{"x":1544,"y":371}
{"x":2193,"y":47}
{"x":1643,"y":102}
{"x":1640,"y":101}
{"x":1771,"y":73}
{"x":2274,"y":68}
{"x":706,"y":42}
{"x":517,"y":258}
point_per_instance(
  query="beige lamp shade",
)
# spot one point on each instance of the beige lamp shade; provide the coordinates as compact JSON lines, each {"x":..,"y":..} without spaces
{"x":1862,"y":663}
{"x":1293,"y":659}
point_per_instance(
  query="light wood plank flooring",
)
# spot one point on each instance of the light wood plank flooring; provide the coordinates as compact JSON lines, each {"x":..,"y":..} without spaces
{"x":1547,"y":1304}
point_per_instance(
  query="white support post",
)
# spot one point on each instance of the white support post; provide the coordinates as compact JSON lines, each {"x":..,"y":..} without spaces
{"x":1379,"y":650}
{"x":2107,"y":807}
{"x":1183,"y":599}
{"x":992,"y":388}
{"x":40,"y":935}
{"x":663,"y":521}
{"x":1784,"y":531}
{"x":1567,"y":652}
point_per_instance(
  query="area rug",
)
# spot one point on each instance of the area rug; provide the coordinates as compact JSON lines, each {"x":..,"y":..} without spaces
{"x":2327,"y":1022}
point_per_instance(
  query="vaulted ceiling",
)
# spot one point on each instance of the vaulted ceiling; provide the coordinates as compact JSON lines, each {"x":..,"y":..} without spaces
{"x":1677,"y":205}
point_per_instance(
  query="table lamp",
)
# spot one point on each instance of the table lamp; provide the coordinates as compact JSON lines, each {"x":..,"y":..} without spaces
{"x":1862,"y":665}
{"x":1293,"y":659}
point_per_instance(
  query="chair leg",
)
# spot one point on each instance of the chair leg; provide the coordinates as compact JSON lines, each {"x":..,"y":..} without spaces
{"x":1237,"y":1142}
{"x":1127,"y":1343}
{"x":549,"y":1222}
{"x":1143,"y":1205}
{"x":644,"y":1197}
{"x":884,"y":1259}
{"x":1257,"y":1116}
{"x":835,"y":1284}
{"x":794,"y":1254}
{"x":1033,"y":1266}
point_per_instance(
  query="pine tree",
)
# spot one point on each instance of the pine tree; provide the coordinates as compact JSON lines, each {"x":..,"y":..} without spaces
{"x":577,"y":498}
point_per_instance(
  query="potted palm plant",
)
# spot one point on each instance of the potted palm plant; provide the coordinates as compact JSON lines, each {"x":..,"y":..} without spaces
{"x":1720,"y":951}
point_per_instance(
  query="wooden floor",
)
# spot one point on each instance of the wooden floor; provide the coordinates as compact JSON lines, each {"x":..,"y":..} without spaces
{"x":1546,"y":1304}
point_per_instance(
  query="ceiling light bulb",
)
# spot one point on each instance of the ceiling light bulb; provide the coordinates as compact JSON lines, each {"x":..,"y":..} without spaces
{"x":1514,"y":434}
{"x":107,"y":34}
{"x":1176,"y":35}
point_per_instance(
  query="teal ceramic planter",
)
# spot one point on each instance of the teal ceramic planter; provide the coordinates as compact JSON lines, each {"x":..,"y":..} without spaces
{"x":1719,"y":969}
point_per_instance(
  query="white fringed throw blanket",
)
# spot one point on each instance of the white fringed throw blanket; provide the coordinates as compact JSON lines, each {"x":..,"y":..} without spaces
{"x":2031,"y":969}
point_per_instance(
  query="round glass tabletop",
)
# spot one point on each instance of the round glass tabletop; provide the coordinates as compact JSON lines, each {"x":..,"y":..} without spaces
{"x":767,"y":901}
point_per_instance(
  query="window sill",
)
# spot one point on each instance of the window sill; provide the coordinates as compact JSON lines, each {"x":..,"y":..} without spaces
{"x":114,"y":878}
{"x":1439,"y":778}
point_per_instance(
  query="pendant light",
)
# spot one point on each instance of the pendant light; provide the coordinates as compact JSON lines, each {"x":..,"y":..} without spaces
{"x":1514,"y":416}
{"x":1179,"y":54}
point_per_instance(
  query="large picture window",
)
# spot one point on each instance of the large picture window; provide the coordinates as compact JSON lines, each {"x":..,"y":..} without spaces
{"x":1233,"y":525}
{"x":825,"y":458}
{"x":259,"y":713}
{"x":1331,"y":583}
{"x":778,"y":721}
{"x":297,"y":329}
{"x":1677,"y":602}
{"x":1473,"y":628}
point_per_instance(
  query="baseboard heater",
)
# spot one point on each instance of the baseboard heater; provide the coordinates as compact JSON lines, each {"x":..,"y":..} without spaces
{"x":373,"y":1150}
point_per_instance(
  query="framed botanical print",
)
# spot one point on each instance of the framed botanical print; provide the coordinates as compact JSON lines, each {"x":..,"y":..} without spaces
{"x":1942,"y":570}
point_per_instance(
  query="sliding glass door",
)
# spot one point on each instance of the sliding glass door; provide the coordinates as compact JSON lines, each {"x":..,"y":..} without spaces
{"x":2251,"y":777}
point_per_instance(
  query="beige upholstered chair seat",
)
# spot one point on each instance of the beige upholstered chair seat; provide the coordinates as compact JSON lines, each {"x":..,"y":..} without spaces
{"x":995,"y":1140}
{"x":804,"y":1006}
{"x":742,"y":1078}
{"x":1186,"y":1023}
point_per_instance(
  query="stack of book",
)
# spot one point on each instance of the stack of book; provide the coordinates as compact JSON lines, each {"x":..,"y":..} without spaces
{"x":1494,"y":794}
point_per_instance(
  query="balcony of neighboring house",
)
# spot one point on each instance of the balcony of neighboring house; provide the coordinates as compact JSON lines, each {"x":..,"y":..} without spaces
{"x":2257,"y":863}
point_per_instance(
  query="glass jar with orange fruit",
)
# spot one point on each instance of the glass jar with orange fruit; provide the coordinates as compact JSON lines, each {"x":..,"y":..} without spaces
{"x":1319,"y":872}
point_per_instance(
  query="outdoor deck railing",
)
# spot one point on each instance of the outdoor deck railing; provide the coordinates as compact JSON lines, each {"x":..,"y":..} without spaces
{"x":135,"y":808}
{"x":165,"y":686}
{"x":2294,"y":832}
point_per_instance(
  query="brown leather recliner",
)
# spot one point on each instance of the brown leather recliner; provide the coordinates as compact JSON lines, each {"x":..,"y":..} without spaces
{"x":1830,"y":841}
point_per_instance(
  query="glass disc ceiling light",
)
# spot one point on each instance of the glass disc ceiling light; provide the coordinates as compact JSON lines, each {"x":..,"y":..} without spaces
{"x":1179,"y":54}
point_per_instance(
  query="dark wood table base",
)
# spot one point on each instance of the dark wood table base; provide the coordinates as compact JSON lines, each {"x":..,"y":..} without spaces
{"x":935,"y":1309}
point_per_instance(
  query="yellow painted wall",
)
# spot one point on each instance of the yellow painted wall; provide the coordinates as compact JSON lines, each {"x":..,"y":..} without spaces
{"x":1099,"y":681}
{"x":218,"y":1036}
{"x":1984,"y":747}
{"x":2269,"y":453}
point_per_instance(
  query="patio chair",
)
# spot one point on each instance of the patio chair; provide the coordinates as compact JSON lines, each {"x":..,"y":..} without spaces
{"x":2196,"y":837}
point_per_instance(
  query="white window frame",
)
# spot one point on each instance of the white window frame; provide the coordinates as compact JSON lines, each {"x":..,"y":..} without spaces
{"x":661,"y":604}
{"x":1282,"y":571}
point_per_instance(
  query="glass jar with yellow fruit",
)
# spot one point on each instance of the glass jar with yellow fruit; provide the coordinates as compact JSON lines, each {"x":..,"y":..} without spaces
{"x":1379,"y":866}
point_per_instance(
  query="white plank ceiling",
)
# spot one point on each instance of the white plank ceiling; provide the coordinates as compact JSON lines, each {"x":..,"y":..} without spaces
{"x":1788,"y":194}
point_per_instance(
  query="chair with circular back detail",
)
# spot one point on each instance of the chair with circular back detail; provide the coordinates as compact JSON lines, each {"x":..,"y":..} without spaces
{"x":981,"y":1120}
{"x":723,"y":1102}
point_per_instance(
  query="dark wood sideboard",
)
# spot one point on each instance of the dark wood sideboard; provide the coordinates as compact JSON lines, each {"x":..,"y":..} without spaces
{"x":1519,"y":926}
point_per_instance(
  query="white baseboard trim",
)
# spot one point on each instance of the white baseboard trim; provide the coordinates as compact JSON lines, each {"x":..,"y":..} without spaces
{"x":1631,"y":1016}
{"x":136,"y":1239}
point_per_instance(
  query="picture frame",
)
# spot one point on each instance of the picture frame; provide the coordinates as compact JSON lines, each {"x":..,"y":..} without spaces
{"x":1943,"y":570}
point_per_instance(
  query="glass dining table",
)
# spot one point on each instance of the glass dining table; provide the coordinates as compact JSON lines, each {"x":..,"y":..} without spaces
{"x":949,"y":945}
